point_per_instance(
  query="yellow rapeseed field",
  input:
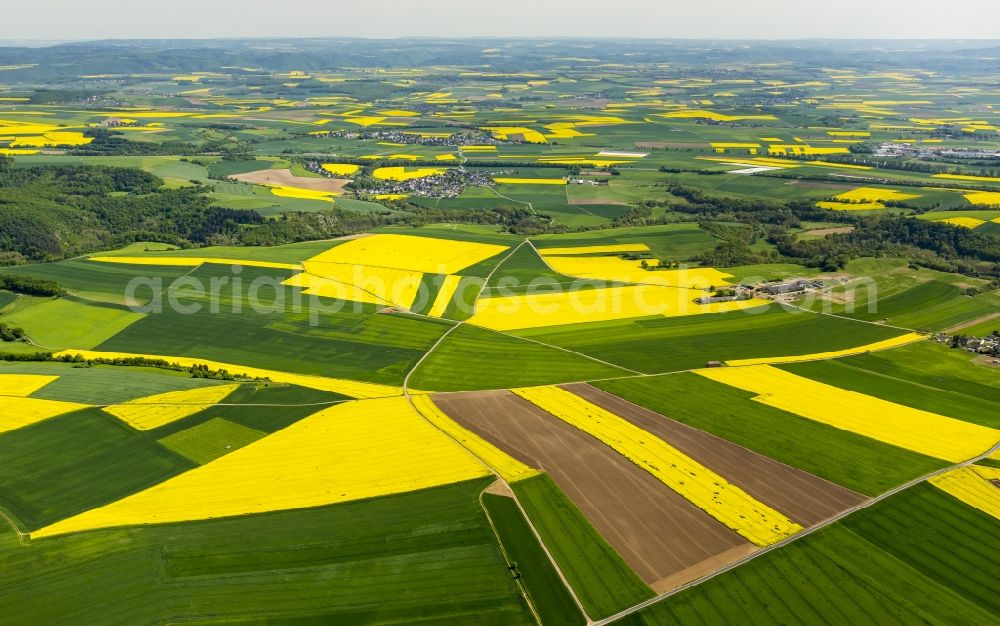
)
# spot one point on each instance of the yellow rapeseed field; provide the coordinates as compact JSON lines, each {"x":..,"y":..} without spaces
{"x":607,"y":249}
{"x":900,"y":340}
{"x":350,"y":388}
{"x":17,"y":412}
{"x":594,"y":305}
{"x":390,"y":196}
{"x":420,"y":254}
{"x":301,"y":194}
{"x":712,"y":115}
{"x":985,"y":198}
{"x":698,"y":484}
{"x":530,"y":181}
{"x":505,"y":132}
{"x":444,"y":295}
{"x":65,"y":138}
{"x":341,"y":169}
{"x":987,"y":179}
{"x":920,"y":431}
{"x":193,"y":261}
{"x":614,"y":268}
{"x":509,"y":468}
{"x":398,"y":287}
{"x":314,"y":285}
{"x":351,"y":451}
{"x":403,"y":173}
{"x":849,"y":206}
{"x":163,"y":408}
{"x":874,"y":194}
{"x":23,"y":384}
{"x":972,"y":485}
{"x":964,"y":222}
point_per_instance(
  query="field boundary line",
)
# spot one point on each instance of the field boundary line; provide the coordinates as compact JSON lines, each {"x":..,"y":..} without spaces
{"x":804,"y":533}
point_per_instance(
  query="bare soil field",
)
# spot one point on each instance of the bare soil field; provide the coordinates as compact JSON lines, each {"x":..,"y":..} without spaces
{"x":662,"y":536}
{"x":822,"y":232}
{"x":805,"y":498}
{"x":287,"y":179}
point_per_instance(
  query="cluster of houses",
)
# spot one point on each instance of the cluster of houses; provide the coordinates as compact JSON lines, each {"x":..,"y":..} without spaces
{"x":764,"y":290}
{"x":450,"y":184}
{"x":464,"y":138}
{"x":909,"y":150}
{"x":981,"y":345}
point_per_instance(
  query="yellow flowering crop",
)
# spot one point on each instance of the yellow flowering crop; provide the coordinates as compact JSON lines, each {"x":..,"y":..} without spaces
{"x":530,"y":181}
{"x":350,"y":388}
{"x":341,"y":169}
{"x":874,"y":194}
{"x":899,"y":340}
{"x":852,"y":206}
{"x":301,"y":194}
{"x":964,"y":222}
{"x":17,"y":412}
{"x":65,"y":138}
{"x":617,"y":269}
{"x":698,"y":484}
{"x":594,"y":305}
{"x":509,"y":468}
{"x":986,"y":198}
{"x":352,"y":451}
{"x":444,"y":295}
{"x":972,"y":485}
{"x":420,"y":254}
{"x":608,"y":249}
{"x":711,"y":115}
{"x":23,"y":384}
{"x":921,"y":431}
{"x":402,"y":173}
{"x":505,"y":132}
{"x":163,"y":408}
{"x":391,"y":285}
{"x":390,"y":196}
{"x":192,"y":261}
{"x":988,"y":179}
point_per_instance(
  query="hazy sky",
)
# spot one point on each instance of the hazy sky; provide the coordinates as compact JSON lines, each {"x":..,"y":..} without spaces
{"x":745,"y":19}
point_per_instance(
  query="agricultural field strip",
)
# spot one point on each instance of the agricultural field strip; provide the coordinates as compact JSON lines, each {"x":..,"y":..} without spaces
{"x":888,"y":344}
{"x":191,"y":261}
{"x":352,"y":388}
{"x":924,"y":432}
{"x":726,"y":502}
{"x":545,"y":259}
{"x":453,"y":437}
{"x":976,"y":486}
{"x":805,"y":533}
{"x":328,"y":457}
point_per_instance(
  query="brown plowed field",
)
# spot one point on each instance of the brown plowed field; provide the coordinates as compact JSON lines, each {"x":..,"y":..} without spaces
{"x":803,"y":497}
{"x":662,"y":536}
{"x":287,"y":179}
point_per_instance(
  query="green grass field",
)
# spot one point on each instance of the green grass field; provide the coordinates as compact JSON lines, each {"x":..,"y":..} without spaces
{"x":601,"y":579}
{"x":424,"y":557}
{"x":104,"y":384}
{"x":664,"y":344}
{"x":210,"y":440}
{"x":941,"y":400}
{"x":915,"y":558}
{"x":323,"y":337}
{"x":548,"y":593}
{"x":475,"y":358}
{"x":68,"y":323}
{"x":865,"y":465}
